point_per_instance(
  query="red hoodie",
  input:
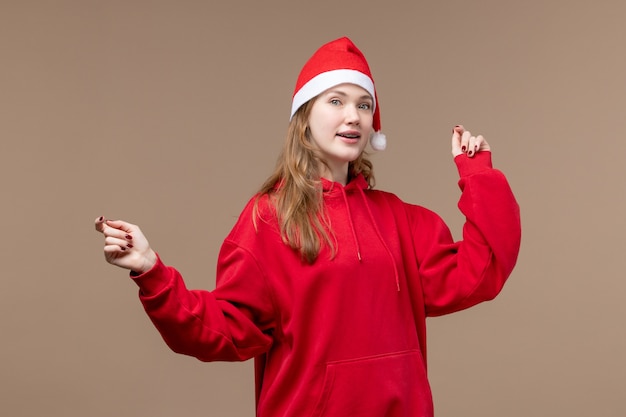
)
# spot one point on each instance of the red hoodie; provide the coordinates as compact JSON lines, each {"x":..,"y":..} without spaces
{"x":344,"y":336}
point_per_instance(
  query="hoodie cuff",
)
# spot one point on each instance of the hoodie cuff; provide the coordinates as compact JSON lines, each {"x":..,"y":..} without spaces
{"x":154,"y":280}
{"x":478,"y":163}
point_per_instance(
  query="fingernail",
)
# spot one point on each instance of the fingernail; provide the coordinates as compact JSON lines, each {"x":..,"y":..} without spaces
{"x":101,"y":218}
{"x":470,"y":153}
{"x":463,"y":148}
{"x":129,"y":237}
{"x":122,"y":247}
{"x":129,"y":246}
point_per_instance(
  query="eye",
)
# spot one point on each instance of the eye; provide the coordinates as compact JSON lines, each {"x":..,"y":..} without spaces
{"x":335,"y":101}
{"x":365,"y":106}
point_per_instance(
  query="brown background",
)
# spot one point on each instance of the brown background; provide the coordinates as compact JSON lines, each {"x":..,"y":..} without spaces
{"x":170,"y":114}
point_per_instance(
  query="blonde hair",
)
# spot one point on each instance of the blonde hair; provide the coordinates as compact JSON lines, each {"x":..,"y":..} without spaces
{"x":295,"y":190}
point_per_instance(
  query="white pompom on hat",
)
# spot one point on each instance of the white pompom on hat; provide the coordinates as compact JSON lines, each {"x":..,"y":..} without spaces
{"x":338,"y":62}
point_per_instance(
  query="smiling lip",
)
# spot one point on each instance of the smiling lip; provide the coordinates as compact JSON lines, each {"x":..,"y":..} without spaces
{"x":351,"y":136}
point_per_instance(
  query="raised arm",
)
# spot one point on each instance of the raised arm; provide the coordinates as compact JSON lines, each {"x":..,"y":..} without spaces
{"x":458,"y":275}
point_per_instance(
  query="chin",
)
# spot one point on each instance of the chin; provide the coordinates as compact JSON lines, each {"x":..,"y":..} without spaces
{"x":351,"y":157}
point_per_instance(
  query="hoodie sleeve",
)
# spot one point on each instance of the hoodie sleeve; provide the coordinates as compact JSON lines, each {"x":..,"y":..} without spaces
{"x":231,"y":323}
{"x":458,"y":275}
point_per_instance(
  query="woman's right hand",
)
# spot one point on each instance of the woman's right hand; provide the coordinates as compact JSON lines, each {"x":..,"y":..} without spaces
{"x":125,"y":245}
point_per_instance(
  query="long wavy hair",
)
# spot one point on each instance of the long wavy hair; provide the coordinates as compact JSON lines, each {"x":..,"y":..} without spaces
{"x":295,"y":189}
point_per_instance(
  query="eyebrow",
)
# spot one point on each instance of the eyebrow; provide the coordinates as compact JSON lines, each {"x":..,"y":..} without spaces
{"x":341,"y":93}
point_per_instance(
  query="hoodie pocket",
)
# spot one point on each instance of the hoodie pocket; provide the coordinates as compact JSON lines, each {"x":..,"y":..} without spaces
{"x":389,"y":385}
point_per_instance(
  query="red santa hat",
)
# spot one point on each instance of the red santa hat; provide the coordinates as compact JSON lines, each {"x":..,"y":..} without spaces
{"x":338,"y":62}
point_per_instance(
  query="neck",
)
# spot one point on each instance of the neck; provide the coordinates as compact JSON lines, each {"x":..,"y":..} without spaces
{"x":336,"y":174}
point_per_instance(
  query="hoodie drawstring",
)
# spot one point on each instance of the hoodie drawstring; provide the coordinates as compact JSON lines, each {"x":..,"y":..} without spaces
{"x":356,"y":240}
{"x":380,"y":237}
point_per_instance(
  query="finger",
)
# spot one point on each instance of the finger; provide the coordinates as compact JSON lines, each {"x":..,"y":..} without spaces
{"x":122,"y":243}
{"x":484,"y":146}
{"x":456,"y":141}
{"x":116,"y":233}
{"x":465,"y":137}
{"x":120,"y":229}
{"x":478,"y":143}
{"x":471,"y":146}
{"x":121,"y":225}
{"x":114,"y":251}
{"x":112,"y":227}
{"x":99,"y":223}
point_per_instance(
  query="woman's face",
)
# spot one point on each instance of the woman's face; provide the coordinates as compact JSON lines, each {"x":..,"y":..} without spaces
{"x":341,"y":124}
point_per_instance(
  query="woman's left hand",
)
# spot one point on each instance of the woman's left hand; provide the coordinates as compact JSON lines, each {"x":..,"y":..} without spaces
{"x":464,"y":142}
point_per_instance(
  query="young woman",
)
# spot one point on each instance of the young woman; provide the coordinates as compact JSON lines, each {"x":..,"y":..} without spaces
{"x":325,"y":281}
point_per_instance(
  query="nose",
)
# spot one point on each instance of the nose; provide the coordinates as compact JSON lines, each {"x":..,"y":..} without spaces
{"x":352,"y":115}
